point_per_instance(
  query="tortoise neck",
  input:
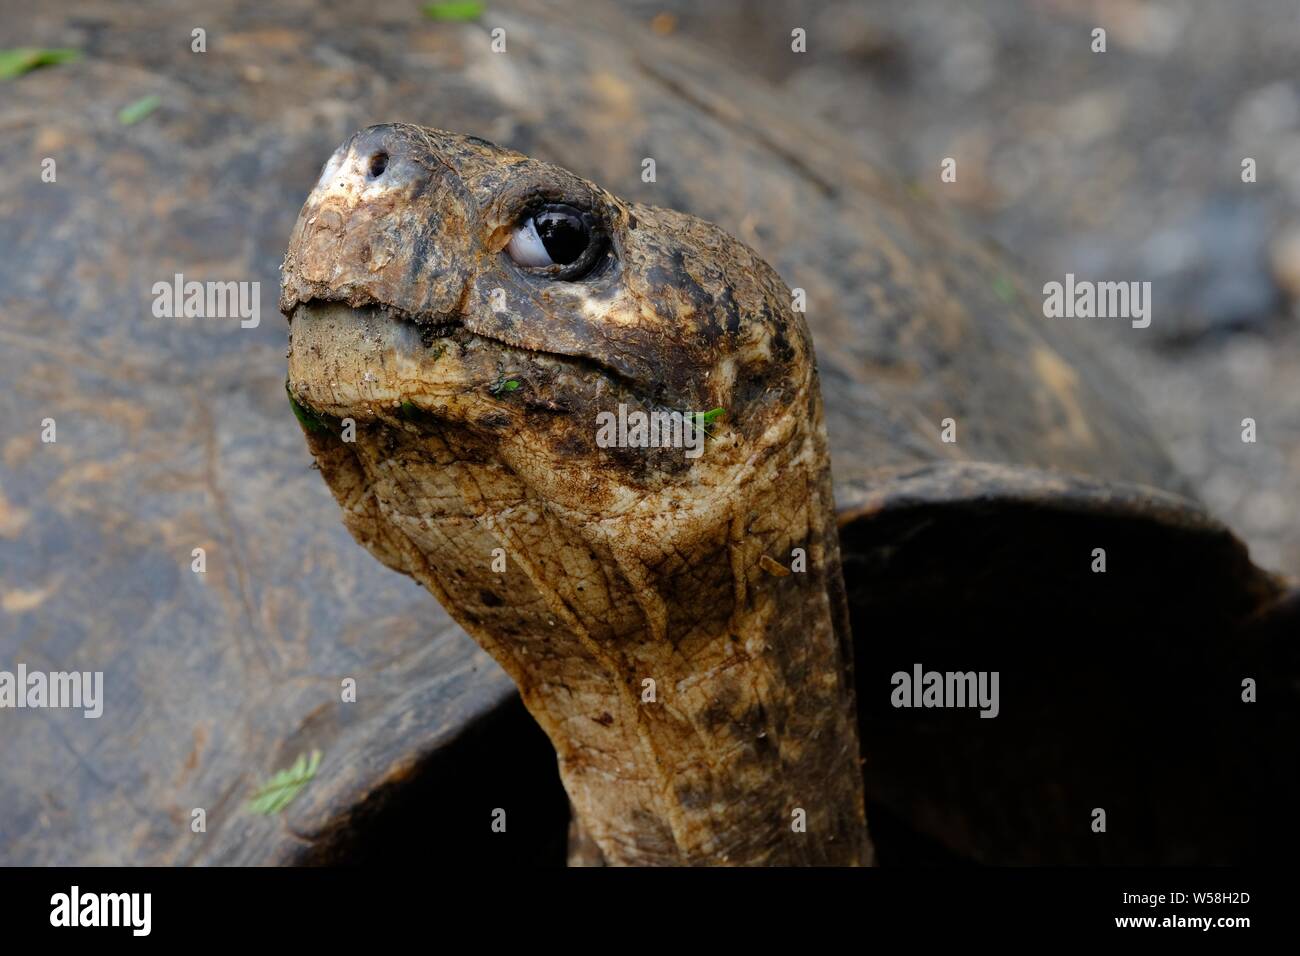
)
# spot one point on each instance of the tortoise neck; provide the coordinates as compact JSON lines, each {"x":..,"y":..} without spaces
{"x":749,"y":745}
{"x":697,"y":689}
{"x":700,"y":699}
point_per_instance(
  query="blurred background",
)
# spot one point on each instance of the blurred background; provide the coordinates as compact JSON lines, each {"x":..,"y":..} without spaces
{"x":1122,"y":166}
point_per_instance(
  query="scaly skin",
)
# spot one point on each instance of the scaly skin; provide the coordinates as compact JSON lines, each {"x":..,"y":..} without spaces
{"x":622,"y":565}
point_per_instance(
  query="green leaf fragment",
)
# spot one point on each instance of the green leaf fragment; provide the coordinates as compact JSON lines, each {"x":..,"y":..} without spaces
{"x":138,"y":110}
{"x":509,"y":385}
{"x":25,"y":59}
{"x":1005,"y":289}
{"x":705,"y":419}
{"x":306,"y":418}
{"x":278,"y":792}
{"x":454,"y":10}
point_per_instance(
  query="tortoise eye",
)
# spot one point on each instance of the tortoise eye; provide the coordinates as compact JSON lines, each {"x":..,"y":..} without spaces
{"x":558,"y":239}
{"x":526,"y":246}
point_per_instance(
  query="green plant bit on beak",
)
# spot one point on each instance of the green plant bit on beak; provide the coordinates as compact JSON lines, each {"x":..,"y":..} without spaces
{"x":507,"y":385}
{"x":409,"y":411}
{"x":305,"y":416}
{"x":705,"y":419}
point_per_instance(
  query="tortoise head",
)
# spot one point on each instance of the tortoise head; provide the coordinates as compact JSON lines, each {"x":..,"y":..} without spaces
{"x":506,"y":374}
{"x":441,"y":285}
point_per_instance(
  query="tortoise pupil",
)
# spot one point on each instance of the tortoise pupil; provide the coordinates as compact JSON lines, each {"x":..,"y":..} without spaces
{"x":563,"y":233}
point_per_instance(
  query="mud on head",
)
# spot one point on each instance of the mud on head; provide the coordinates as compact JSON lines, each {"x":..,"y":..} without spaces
{"x":444,"y":291}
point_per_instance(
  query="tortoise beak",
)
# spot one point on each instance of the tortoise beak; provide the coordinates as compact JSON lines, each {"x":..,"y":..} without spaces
{"x":365,"y":364}
{"x":385,"y":225}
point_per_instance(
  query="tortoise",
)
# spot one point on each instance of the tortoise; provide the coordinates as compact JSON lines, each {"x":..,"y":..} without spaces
{"x":175,"y":435}
{"x":467,"y":325}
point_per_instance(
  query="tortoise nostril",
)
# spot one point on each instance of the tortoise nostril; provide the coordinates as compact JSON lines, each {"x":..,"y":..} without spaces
{"x":378,"y":163}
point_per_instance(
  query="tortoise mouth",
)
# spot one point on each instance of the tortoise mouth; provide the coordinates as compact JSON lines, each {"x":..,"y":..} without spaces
{"x":346,"y":359}
{"x":377,"y":365}
{"x":416,"y":387}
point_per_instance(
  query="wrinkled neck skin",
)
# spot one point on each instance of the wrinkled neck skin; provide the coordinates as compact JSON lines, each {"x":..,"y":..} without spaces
{"x":697,"y":691}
